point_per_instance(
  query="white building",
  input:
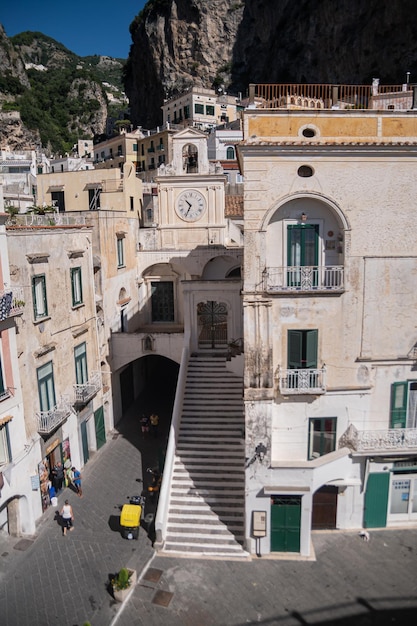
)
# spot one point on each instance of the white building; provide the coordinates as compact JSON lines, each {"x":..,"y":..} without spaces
{"x":329,"y":310}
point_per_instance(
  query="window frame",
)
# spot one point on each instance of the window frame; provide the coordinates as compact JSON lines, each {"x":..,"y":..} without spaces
{"x":322,"y":432}
{"x":46,"y":382}
{"x":120,"y":252}
{"x":39,"y":313}
{"x":157,"y":318}
{"x":302,"y":348}
{"x":80,"y":362}
{"x":76,"y":286}
{"x":199,"y":108}
{"x":5,"y":446}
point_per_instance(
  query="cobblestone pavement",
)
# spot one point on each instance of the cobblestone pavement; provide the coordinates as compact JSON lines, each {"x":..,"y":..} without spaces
{"x":51,"y":580}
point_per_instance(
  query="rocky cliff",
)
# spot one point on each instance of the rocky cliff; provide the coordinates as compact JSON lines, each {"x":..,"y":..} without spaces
{"x":177,"y":43}
{"x":49,"y":96}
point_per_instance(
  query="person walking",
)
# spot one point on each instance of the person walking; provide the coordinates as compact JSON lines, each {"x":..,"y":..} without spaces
{"x":77,"y":481}
{"x":67,"y":517}
{"x":154,"y":419}
{"x":144,"y":424}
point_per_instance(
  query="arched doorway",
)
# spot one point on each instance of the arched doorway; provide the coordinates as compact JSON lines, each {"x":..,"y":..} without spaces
{"x":212,"y":324}
{"x":324,"y":508}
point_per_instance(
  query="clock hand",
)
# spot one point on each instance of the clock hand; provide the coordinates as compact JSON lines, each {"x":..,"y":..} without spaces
{"x":189,"y":207}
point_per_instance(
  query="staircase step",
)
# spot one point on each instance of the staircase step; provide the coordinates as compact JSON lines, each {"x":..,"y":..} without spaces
{"x":206,"y":511}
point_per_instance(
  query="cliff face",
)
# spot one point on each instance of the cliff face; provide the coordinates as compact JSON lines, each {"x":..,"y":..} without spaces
{"x":177,"y":43}
{"x":60,"y":96}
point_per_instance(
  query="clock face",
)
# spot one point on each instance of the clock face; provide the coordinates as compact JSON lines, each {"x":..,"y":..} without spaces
{"x":190,"y":205}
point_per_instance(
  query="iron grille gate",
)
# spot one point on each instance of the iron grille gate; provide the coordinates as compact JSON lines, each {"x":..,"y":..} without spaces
{"x":212,"y":324}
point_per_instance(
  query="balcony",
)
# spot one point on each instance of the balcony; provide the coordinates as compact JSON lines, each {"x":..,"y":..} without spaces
{"x":392,"y":440}
{"x":301,"y":381}
{"x":48,"y":421}
{"x":11,"y":302}
{"x":86,"y":391}
{"x":327,"y":96}
{"x":304,"y":279}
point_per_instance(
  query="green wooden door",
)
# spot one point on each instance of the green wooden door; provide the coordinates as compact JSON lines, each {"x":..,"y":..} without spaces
{"x":285,"y":523}
{"x":84,"y":440}
{"x":100,"y":429}
{"x":376,"y":500}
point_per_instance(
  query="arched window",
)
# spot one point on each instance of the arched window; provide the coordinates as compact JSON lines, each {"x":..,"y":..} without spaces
{"x":190,"y":158}
{"x":230,"y":153}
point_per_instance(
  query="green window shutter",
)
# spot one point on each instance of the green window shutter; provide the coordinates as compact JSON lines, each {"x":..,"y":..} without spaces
{"x":399,"y":398}
{"x":311,"y":349}
{"x":295,"y":348}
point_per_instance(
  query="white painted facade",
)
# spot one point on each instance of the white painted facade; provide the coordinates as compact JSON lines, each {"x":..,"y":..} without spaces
{"x":329,"y":258}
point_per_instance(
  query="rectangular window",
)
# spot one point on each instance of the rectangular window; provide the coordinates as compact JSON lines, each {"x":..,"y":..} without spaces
{"x":80,"y":359}
{"x":94,"y":199}
{"x":76,"y":286}
{"x":119,"y":151}
{"x":404,"y":404}
{"x":162,"y":298}
{"x":132,"y":204}
{"x":46,"y":387}
{"x":321,"y":436}
{"x":302,"y":251}
{"x":40,"y":306}
{"x":58,"y":199}
{"x":135,"y":147}
{"x":186,"y":111}
{"x":142,"y":149}
{"x":209,"y":109}
{"x":199,"y":108}
{"x":5,"y":449}
{"x":302,"y":349}
{"x":120,"y":252}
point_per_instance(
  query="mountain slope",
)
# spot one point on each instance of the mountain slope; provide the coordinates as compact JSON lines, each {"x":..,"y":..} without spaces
{"x":61,"y":97}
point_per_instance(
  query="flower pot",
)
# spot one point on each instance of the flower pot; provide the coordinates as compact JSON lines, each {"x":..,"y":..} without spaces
{"x":121,"y":594}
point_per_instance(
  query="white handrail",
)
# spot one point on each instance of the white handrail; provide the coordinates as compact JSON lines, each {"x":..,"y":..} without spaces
{"x":161,"y":518}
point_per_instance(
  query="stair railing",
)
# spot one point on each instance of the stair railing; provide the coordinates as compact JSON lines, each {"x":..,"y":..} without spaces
{"x":161,"y":519}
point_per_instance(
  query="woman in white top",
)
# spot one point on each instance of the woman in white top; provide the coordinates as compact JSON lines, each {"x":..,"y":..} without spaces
{"x":67,"y":517}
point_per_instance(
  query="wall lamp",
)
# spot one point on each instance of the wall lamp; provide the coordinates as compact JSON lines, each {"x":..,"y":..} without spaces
{"x":260,"y":452}
{"x":303,"y":217}
{"x":258,"y":455}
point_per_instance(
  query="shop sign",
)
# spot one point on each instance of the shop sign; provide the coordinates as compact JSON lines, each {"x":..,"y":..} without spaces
{"x":36,"y":483}
{"x":51,"y":447}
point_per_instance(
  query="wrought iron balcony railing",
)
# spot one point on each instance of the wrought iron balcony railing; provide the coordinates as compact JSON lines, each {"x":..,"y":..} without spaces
{"x":390,"y":440}
{"x":48,"y":421}
{"x":304,"y":278}
{"x":301,"y":381}
{"x":84,"y":392}
{"x":11,"y":302}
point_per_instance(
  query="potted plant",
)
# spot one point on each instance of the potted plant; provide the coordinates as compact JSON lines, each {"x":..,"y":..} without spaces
{"x":124,"y":580}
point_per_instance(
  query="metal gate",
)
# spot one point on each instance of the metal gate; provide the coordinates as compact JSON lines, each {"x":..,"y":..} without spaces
{"x":285,"y":523}
{"x":212,"y":324}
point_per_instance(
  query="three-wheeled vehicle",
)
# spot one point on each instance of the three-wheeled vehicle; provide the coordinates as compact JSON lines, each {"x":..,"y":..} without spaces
{"x":131,"y":516}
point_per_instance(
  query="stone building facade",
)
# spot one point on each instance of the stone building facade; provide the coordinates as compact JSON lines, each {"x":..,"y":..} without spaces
{"x":329,"y":309}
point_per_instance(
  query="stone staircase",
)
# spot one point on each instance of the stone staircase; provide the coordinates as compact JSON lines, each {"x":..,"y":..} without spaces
{"x":207,"y":498}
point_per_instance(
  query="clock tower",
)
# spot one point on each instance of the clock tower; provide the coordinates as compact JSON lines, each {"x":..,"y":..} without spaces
{"x":191,"y":195}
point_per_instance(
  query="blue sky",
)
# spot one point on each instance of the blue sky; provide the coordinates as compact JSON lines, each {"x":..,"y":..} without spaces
{"x":85,"y":27}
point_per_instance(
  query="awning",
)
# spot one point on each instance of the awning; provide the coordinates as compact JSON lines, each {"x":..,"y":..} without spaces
{"x":5,"y":419}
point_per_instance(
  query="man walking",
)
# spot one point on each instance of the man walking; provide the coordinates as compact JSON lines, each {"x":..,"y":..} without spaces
{"x":77,"y":481}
